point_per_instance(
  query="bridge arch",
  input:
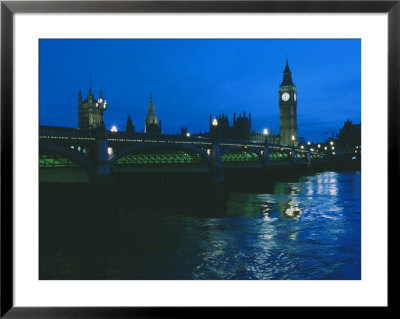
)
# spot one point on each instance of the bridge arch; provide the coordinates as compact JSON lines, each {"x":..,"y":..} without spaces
{"x":300,"y":155}
{"x":132,"y":149}
{"x":72,"y":156}
{"x":224,"y":150}
{"x":235,"y":149}
{"x":279,"y":155}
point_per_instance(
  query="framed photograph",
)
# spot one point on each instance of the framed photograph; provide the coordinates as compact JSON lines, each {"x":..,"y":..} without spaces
{"x":161,"y":158}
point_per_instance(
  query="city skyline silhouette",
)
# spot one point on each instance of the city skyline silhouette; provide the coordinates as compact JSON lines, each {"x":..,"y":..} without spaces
{"x":191,"y":79}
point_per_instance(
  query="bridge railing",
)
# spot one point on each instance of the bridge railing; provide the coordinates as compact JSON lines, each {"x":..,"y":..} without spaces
{"x":65,"y":134}
{"x":124,"y":137}
{"x":136,"y":137}
{"x":60,"y":131}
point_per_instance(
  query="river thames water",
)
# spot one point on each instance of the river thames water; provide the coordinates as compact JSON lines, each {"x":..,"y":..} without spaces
{"x":309,"y":229}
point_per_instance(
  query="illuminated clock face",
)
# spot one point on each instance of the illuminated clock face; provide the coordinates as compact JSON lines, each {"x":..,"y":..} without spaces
{"x":285,"y":96}
{"x":295,"y":97}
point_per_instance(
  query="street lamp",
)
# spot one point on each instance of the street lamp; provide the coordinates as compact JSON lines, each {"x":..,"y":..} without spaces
{"x":110,"y":151}
{"x":293,"y":140}
{"x":214,"y":131}
{"x":101,"y":105}
{"x":265,"y":132}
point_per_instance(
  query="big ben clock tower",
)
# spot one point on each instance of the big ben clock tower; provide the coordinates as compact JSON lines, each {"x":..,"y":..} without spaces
{"x":288,"y":109}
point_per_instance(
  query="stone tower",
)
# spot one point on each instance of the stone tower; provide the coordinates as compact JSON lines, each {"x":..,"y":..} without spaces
{"x":288,"y":109}
{"x":152,"y":125}
{"x":89,"y":117}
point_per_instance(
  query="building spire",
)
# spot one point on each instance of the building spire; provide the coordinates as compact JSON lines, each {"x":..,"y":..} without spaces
{"x":287,"y":69}
{"x":151,"y":104}
{"x":129,"y":125}
{"x":152,"y":124}
{"x":151,"y":114}
{"x":287,"y":75}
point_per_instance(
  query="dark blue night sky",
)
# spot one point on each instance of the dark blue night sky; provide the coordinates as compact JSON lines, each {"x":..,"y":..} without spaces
{"x":191,"y":79}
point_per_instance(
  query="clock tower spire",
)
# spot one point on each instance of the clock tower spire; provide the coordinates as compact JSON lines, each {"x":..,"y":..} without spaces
{"x":288,"y":109}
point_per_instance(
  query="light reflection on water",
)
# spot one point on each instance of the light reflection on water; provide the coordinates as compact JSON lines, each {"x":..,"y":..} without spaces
{"x":305,"y":230}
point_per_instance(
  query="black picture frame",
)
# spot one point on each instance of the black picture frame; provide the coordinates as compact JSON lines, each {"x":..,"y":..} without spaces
{"x":9,"y":8}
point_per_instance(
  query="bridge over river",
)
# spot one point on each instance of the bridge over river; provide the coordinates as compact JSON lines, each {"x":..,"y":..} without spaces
{"x":70,"y":155}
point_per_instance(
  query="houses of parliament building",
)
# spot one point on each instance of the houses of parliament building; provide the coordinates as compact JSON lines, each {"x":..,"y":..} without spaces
{"x":90,"y":117}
